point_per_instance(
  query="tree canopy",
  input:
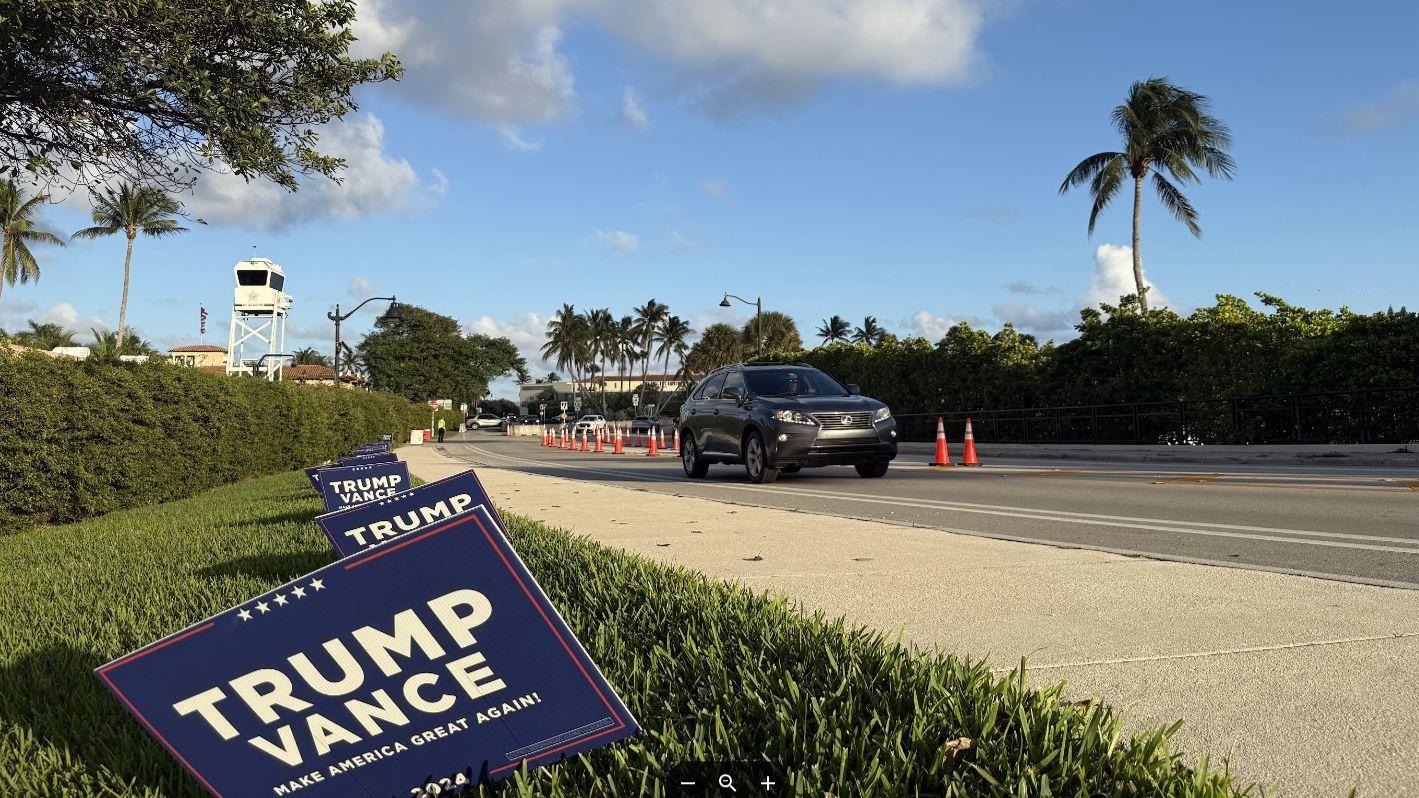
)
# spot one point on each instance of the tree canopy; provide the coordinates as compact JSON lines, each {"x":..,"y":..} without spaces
{"x":153,"y":91}
{"x":425,"y":356}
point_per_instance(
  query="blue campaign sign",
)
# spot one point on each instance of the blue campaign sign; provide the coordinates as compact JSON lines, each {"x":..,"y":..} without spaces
{"x":343,"y":486}
{"x":364,"y":526}
{"x":365,"y":459}
{"x":313,"y":474}
{"x":434,"y":659}
{"x":369,"y":448}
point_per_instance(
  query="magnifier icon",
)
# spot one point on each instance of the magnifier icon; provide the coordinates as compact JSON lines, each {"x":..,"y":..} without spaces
{"x":726,"y":782}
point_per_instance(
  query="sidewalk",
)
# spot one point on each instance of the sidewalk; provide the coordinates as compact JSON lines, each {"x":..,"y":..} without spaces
{"x":1302,"y":681}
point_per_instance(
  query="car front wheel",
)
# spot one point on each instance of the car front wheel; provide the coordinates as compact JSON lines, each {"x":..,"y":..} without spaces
{"x":695,"y":467}
{"x":872,"y":470}
{"x":756,"y":460}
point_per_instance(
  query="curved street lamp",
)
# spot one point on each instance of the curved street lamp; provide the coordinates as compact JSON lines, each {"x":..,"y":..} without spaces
{"x":758,"y":314}
{"x":392,"y":315}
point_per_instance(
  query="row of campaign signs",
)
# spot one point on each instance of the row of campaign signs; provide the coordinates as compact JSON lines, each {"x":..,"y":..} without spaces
{"x":424,"y":659}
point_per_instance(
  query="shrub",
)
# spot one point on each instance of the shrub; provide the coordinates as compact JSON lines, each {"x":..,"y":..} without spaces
{"x":81,"y":439}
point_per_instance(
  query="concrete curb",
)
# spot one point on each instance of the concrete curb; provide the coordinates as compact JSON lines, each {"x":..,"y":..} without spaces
{"x":1327,"y":456}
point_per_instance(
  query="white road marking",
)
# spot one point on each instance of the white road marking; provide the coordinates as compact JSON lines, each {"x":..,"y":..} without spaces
{"x":1279,"y":535}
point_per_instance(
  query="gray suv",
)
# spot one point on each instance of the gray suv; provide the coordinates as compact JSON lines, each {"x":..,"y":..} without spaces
{"x":777,"y":418}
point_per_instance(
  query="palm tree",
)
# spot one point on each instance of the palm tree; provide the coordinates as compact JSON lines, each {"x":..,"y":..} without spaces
{"x":719,"y":344}
{"x":309,"y":357}
{"x":835,"y":330}
{"x":131,"y":210}
{"x":107,"y":347}
{"x":648,"y":319}
{"x":601,"y":340}
{"x":45,"y":336}
{"x":567,"y":341}
{"x":1164,"y":128}
{"x":771,"y":331}
{"x":625,"y":348}
{"x":674,"y":334}
{"x":869,"y":333}
{"x":17,"y":232}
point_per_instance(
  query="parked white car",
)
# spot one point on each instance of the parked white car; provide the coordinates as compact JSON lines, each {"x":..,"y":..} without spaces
{"x":590,"y":422}
{"x":485,"y":421}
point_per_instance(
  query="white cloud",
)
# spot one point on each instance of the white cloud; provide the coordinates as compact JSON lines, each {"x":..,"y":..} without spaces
{"x":679,"y":242}
{"x":496,"y":60}
{"x":513,"y":138}
{"x":618,"y":241}
{"x":371,"y":183}
{"x":62,"y":313}
{"x":1398,"y":105}
{"x":500,"y":61}
{"x":1113,"y":278}
{"x":631,"y":111}
{"x":360,"y":287}
{"x":931,"y":327}
{"x":715,"y":187}
{"x":1034,"y":320}
{"x":14,"y":313}
{"x":528,"y":333}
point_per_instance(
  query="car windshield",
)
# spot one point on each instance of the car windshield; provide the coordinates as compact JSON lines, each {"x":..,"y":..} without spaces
{"x":793,"y":382}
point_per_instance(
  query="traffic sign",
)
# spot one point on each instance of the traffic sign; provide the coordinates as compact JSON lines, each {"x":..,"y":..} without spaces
{"x":636,"y":400}
{"x":577,"y":401}
{"x":542,"y":408}
{"x":433,"y":404}
{"x":564,"y":407}
{"x":436,"y":658}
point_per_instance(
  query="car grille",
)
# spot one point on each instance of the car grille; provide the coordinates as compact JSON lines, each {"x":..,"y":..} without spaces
{"x":844,"y":420}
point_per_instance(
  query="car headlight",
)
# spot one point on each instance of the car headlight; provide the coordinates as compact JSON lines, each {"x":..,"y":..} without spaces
{"x":794,"y":417}
{"x":882,"y":414}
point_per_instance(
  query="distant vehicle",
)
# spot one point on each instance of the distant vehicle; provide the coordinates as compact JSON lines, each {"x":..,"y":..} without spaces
{"x":644,"y":424}
{"x":484,"y":421}
{"x":528,"y":420}
{"x":589,"y":422}
{"x":778,"y":418}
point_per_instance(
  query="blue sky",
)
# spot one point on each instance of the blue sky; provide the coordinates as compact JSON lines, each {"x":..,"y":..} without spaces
{"x":898,"y":158}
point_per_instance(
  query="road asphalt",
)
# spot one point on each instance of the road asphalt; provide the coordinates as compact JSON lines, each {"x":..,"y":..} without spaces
{"x":1350,"y":524}
{"x":1308,"y":685}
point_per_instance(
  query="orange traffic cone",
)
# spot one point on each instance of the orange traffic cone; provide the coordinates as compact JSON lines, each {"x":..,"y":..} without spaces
{"x":566,"y":439}
{"x":586,"y":441}
{"x":969,"y":456}
{"x":675,"y":441}
{"x":943,"y":457}
{"x":618,"y":442}
{"x":662,"y":439}
{"x":651,"y":444}
{"x":598,"y":450}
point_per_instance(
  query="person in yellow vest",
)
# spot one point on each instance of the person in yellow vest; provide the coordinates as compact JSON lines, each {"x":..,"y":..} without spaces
{"x":443,"y":425}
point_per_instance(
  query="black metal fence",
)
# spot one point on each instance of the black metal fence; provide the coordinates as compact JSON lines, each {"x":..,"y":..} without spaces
{"x":1382,"y":415}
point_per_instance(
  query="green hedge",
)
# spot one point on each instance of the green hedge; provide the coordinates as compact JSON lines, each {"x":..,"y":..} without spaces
{"x":81,"y":439}
{"x":711,"y":671}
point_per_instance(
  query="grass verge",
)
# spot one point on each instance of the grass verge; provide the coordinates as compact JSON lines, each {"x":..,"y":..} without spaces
{"x":712,"y":671}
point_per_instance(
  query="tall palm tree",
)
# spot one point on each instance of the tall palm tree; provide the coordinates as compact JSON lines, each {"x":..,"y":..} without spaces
{"x":45,"y":336}
{"x":567,"y":342}
{"x":625,"y":348}
{"x":674,"y":334}
{"x":835,"y":330}
{"x":771,"y":331}
{"x":308,"y":356}
{"x":18,"y":231}
{"x":870,"y":333}
{"x":601,"y":340}
{"x":648,"y":319}
{"x":1164,"y":128}
{"x":107,"y":347}
{"x":131,"y":210}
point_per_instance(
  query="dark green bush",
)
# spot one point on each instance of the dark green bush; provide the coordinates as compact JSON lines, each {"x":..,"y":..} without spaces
{"x":80,"y":439}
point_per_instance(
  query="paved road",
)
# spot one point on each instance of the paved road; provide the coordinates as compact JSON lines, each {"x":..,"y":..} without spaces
{"x":1350,"y":524}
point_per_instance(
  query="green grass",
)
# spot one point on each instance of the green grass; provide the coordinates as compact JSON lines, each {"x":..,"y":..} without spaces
{"x":711,"y":671}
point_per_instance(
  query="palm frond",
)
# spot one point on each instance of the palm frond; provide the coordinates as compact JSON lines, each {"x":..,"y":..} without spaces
{"x":1176,"y":203}
{"x":1105,"y":188}
{"x":1087,"y":169}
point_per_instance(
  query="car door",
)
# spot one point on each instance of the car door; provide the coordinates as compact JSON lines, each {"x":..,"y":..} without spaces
{"x":732,"y":415}
{"x":700,"y":415}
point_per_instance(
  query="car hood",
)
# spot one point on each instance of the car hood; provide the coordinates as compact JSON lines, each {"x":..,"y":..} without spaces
{"x":821,"y":404}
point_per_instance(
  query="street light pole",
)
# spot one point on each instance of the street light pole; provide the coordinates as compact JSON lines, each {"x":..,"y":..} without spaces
{"x":758,"y":316}
{"x":393,"y":314}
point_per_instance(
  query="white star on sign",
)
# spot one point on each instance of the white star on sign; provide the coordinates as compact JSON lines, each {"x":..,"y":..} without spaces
{"x":281,"y":600}
{"x":245,"y":615}
{"x":298,"y":592}
{"x":263,"y":606}
{"x":317,"y":584}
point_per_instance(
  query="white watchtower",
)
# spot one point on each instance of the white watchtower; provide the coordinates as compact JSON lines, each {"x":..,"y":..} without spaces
{"x":259,"y":309}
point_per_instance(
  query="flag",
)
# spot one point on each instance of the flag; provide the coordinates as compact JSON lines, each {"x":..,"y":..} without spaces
{"x":202,"y":324}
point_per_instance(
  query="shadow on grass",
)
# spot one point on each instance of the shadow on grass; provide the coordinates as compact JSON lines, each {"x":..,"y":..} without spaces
{"x":54,"y":694}
{"x":299,"y":517}
{"x":279,"y":568}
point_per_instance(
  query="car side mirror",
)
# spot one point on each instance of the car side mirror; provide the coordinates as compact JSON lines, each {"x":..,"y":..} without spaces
{"x":852,"y":389}
{"x":732,"y":394}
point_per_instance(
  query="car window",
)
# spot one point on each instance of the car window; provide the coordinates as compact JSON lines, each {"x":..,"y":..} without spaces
{"x":710,"y":389}
{"x":794,"y":382}
{"x":734,"y":380}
